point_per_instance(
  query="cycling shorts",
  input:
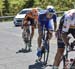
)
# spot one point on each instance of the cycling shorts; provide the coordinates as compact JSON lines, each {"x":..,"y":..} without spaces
{"x":31,"y":20}
{"x":60,"y":42}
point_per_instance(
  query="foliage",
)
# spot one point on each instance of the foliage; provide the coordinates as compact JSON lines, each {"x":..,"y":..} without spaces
{"x":1,"y":7}
{"x":29,"y":3}
{"x":15,"y":6}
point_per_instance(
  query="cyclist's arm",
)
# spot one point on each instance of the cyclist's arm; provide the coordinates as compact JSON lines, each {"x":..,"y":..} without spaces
{"x":65,"y":29}
{"x":64,"y":38}
{"x":55,"y":22}
{"x":25,"y":21}
{"x":30,"y":15}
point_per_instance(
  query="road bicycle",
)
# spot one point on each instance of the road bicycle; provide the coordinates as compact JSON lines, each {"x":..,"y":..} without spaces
{"x":45,"y":47}
{"x":26,"y":38}
{"x":69,"y":63}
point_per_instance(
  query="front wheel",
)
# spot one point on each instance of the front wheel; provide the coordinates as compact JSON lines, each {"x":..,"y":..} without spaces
{"x":45,"y":54}
{"x":73,"y":65}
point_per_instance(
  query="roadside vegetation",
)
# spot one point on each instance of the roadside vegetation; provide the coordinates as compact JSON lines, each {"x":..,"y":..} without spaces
{"x":12,"y":7}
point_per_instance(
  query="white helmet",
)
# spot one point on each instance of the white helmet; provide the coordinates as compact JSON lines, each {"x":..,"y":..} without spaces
{"x":50,"y":6}
{"x":51,"y":9}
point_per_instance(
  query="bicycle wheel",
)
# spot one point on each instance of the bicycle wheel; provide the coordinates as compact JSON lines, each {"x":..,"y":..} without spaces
{"x":63,"y":58}
{"x":45,"y":53}
{"x":26,"y":38}
{"x":73,"y":65}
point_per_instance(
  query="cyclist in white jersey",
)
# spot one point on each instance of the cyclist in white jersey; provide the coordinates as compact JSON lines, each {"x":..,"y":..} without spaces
{"x":66,"y":26}
{"x":69,"y":23}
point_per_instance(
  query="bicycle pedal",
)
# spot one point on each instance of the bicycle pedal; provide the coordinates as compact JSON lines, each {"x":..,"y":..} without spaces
{"x":45,"y":63}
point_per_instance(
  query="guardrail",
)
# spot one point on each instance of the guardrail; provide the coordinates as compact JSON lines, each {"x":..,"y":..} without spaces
{"x":3,"y":17}
{"x":7,"y":17}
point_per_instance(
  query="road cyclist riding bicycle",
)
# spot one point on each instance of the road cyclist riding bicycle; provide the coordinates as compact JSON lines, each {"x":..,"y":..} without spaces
{"x":29,"y":20}
{"x":66,"y":27}
{"x":44,"y":20}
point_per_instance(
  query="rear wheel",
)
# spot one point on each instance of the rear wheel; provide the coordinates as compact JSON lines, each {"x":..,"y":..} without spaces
{"x":26,"y":38}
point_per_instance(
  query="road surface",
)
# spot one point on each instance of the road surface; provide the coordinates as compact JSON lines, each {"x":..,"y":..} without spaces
{"x":11,"y":42}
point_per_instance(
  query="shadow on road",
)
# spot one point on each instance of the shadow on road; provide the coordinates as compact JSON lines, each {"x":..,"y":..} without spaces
{"x":37,"y":66}
{"x":23,"y":51}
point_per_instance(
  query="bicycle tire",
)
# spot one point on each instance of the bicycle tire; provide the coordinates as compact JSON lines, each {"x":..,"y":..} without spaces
{"x":26,"y":38}
{"x":73,"y":65}
{"x":63,"y":58}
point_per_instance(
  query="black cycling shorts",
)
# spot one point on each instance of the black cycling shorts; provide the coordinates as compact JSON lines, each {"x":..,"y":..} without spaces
{"x":60,"y":42}
{"x":31,"y":20}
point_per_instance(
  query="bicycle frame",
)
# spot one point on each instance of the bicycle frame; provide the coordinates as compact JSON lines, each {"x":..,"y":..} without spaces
{"x":26,"y":38}
{"x":45,"y":46}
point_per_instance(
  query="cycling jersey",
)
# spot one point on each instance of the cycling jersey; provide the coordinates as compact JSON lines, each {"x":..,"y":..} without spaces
{"x":43,"y":20}
{"x":30,"y":17}
{"x":69,"y":20}
{"x":63,"y":27}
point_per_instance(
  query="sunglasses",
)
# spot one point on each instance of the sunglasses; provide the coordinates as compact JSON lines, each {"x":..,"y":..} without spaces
{"x":50,"y":14}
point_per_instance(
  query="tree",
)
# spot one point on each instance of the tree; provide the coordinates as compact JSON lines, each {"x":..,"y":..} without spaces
{"x":28,"y":4}
{"x":15,"y":6}
{"x":1,"y":7}
{"x":6,"y":6}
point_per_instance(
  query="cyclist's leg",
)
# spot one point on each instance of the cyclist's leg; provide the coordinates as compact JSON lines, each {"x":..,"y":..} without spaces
{"x":32,"y":30}
{"x":59,"y":54}
{"x":39,"y":50}
{"x":48,"y":37}
{"x":32,"y":33}
{"x":23,"y":33}
{"x":60,"y":51}
{"x":39,"y":35}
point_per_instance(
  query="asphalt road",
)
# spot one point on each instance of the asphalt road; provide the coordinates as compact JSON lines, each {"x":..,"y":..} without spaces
{"x":11,"y":42}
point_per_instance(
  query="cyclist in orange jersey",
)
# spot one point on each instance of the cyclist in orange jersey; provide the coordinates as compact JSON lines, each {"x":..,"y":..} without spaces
{"x":31,"y":19}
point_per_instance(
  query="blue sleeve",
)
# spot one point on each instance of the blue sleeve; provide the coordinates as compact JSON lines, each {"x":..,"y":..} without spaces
{"x":39,"y":17}
{"x":42,"y":17}
{"x":54,"y":18}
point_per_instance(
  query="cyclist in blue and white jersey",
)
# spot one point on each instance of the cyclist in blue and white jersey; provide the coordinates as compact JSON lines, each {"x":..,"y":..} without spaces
{"x":54,"y":17}
{"x":66,"y":26}
{"x":44,"y":18}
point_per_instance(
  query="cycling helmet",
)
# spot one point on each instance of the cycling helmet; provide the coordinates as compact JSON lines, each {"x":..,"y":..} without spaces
{"x":51,"y":9}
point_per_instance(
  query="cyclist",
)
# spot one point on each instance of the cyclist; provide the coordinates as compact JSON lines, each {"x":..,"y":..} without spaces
{"x":54,"y":16}
{"x":66,"y":26}
{"x":44,"y":18}
{"x":30,"y":17}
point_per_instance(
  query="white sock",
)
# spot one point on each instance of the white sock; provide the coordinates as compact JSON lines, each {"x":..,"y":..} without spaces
{"x":55,"y":67}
